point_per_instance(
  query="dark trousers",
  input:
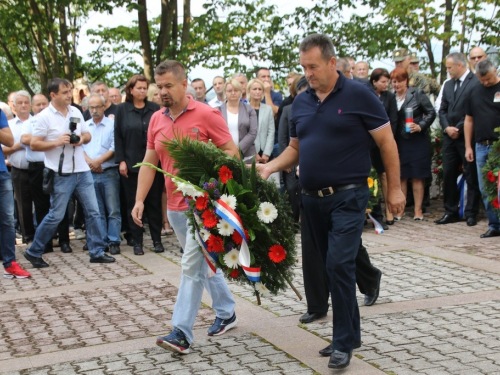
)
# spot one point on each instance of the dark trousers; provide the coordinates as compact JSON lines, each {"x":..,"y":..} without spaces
{"x":292,"y":188}
{"x":454,"y":155}
{"x":22,"y":192}
{"x":42,"y":202}
{"x":152,"y":206}
{"x":331,"y":233}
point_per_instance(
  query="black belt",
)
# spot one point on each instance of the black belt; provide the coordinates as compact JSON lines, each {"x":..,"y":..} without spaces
{"x":325,"y":192}
{"x":488,"y":142}
{"x":37,"y":163}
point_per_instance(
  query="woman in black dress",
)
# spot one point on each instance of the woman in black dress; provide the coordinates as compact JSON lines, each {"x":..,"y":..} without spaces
{"x":379,"y":79}
{"x":413,"y":138}
{"x":131,"y":128}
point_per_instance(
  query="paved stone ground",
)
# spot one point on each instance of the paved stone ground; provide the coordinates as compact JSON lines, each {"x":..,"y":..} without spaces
{"x":438,"y":313}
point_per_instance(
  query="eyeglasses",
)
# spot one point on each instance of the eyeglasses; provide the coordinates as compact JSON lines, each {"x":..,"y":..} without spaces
{"x":97,"y":107}
{"x":476,"y":57}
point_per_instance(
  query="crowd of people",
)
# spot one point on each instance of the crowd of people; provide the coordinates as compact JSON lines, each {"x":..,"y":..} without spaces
{"x":71,"y":159}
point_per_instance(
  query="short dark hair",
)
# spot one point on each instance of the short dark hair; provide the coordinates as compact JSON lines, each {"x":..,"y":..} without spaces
{"x":131,"y":84}
{"x":55,"y":83}
{"x":321,"y":41}
{"x":198,"y":80}
{"x":343,"y":65}
{"x":458,"y":57}
{"x":98,"y":83}
{"x":379,"y":73}
{"x":175,"y":67}
{"x":484,"y":67}
{"x":259,"y":69}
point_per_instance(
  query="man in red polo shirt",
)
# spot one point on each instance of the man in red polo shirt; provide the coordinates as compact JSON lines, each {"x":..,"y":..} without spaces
{"x":185,"y":117}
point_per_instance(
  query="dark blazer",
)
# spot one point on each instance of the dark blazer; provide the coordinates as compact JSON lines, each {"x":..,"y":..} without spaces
{"x":131,"y":133}
{"x":423,"y":112}
{"x":284,"y":129}
{"x":388,"y":100}
{"x":452,"y":110}
{"x":247,"y":127}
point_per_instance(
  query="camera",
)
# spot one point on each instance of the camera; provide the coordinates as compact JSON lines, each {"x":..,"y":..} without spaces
{"x":73,"y":138}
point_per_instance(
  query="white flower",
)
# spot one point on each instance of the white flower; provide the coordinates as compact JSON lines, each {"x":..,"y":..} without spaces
{"x":225,"y":229}
{"x":261,"y":288}
{"x":204,"y":234}
{"x":230,"y":200}
{"x":267,"y":212}
{"x":231,"y":258}
{"x":187,"y":189}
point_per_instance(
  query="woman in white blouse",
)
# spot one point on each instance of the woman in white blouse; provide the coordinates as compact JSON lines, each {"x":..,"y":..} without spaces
{"x":240,"y":118}
{"x":265,"y":134}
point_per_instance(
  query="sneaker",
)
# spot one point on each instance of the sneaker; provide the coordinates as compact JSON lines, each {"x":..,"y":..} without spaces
{"x":15,"y":271}
{"x":220,"y":326}
{"x":175,"y":342}
{"x":79,"y":234}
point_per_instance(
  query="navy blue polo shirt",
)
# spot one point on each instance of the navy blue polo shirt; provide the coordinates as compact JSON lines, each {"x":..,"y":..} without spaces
{"x":334,"y":135}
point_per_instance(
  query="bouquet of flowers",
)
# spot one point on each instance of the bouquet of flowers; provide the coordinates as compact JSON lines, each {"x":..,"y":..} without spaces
{"x":491,"y":176}
{"x":243,"y":224}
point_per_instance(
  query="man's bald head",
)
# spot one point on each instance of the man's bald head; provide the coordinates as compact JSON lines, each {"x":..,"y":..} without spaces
{"x":475,"y":55}
{"x":39,"y":103}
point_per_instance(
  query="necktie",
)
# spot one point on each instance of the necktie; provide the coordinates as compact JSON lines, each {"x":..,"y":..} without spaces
{"x":457,"y":86}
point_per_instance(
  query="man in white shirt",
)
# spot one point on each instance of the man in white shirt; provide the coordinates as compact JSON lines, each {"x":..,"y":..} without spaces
{"x":65,"y":160}
{"x":19,"y":172}
{"x":99,"y":155}
{"x":218,"y":86}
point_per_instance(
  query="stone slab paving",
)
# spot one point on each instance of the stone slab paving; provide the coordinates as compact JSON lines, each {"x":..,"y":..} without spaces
{"x":461,"y":339}
{"x":484,"y":248}
{"x":69,"y":269}
{"x":238,"y":355}
{"x":85,"y":318}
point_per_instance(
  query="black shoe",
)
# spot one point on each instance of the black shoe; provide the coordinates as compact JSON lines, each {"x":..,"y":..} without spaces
{"x":471,"y":221}
{"x":114,"y":249}
{"x":371,"y":298}
{"x":159,"y":247}
{"x":35,"y":261}
{"x":138,"y":250}
{"x":65,"y":248}
{"x":389,"y":222}
{"x":490,"y":233}
{"x":339,"y":359}
{"x":48,"y":248}
{"x":327,"y":352}
{"x":447,"y":219}
{"x":102,"y":259}
{"x":85,"y":247}
{"x":385,"y":226}
{"x":311,"y":317}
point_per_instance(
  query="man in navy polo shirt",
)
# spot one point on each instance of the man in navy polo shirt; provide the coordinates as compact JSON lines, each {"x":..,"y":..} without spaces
{"x":332,"y":122}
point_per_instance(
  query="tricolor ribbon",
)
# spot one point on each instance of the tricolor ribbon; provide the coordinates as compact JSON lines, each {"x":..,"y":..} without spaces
{"x":209,"y":257}
{"x":462,"y":188}
{"x":378,"y":227}
{"x":228,"y":214}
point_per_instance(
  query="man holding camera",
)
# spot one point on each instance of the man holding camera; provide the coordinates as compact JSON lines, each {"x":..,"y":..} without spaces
{"x":60,"y":131}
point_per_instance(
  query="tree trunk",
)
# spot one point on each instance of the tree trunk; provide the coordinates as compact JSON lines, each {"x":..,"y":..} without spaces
{"x":448,"y":19}
{"x":428,"y":45}
{"x":145,"y":40}
{"x":186,"y":24}
{"x":168,"y":12}
{"x":175,"y":31}
{"x":52,"y":40}
{"x":63,"y":31}
{"x":14,"y":66}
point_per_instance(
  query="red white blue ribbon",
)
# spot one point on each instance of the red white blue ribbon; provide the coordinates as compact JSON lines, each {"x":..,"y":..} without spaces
{"x":379,"y":229}
{"x":228,"y":214}
{"x":209,"y":257}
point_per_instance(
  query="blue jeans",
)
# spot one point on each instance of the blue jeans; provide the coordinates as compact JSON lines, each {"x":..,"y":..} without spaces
{"x":107,"y":190}
{"x":335,"y":224}
{"x":7,"y":223}
{"x":481,"y":158}
{"x":82,"y":185}
{"x":194,"y":279}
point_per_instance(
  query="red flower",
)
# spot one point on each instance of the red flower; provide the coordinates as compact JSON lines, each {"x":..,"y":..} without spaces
{"x":436,"y":171}
{"x":495,"y":203}
{"x":225,"y":174}
{"x":437,"y":140}
{"x":439,"y":162}
{"x":438,"y":149}
{"x":277,"y":253}
{"x":491,"y":176}
{"x":237,"y":237}
{"x":202,"y":202}
{"x":215,"y":244}
{"x":210,"y":220}
{"x":234,"y":273}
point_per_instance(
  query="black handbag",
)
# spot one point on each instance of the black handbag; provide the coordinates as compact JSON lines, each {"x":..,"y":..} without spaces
{"x":48,"y":181}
